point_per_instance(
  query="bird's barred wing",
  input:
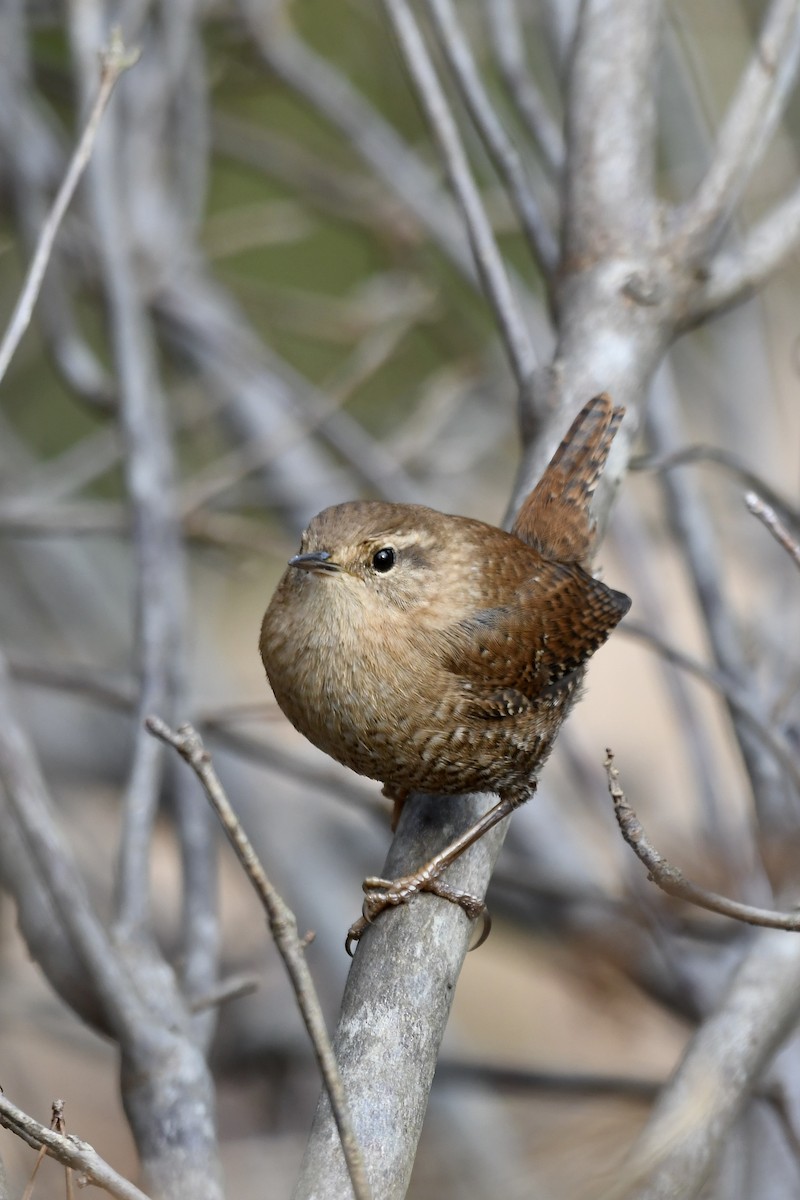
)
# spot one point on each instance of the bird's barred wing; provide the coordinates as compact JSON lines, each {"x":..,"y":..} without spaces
{"x":510,"y":655}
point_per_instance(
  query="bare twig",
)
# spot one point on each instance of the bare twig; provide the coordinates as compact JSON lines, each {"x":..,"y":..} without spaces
{"x":735,"y":696}
{"x":508,"y":41}
{"x":114,"y":61}
{"x":377,"y":142}
{"x":750,"y":121}
{"x":149,"y":477}
{"x":716,"y":455}
{"x":226,"y":990}
{"x":283,"y":925}
{"x":672,"y":881}
{"x":458,"y":53}
{"x":34,"y":161}
{"x":768,"y":517}
{"x":69,"y":1150}
{"x":734,"y":274}
{"x":692,"y":522}
{"x":31,"y":811}
{"x":490,"y":265}
{"x":57,"y":1125}
{"x":557,"y":1083}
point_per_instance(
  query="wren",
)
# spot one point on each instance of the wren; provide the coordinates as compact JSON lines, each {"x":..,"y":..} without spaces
{"x":440,"y":654}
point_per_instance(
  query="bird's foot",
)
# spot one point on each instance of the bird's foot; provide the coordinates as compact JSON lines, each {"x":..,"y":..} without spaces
{"x":380,"y":894}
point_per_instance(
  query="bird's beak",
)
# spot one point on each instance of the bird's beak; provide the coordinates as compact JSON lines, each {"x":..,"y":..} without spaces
{"x":316,"y":560}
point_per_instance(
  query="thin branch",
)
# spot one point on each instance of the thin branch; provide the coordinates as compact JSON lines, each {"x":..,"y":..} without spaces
{"x":283,"y":925}
{"x":752,"y":117}
{"x":733,"y":275}
{"x":692,"y":523}
{"x":488,"y":260}
{"x":388,"y":156}
{"x":735,"y":696}
{"x":672,"y":881}
{"x":69,"y":1150}
{"x":114,"y":61}
{"x":768,"y":517}
{"x":34,"y":161}
{"x":508,"y":43}
{"x":517,"y":1080}
{"x":149,"y":474}
{"x":719,"y":457}
{"x":31,"y":810}
{"x":641,"y":556}
{"x":234,"y":467}
{"x":458,"y":53}
{"x":226,"y":990}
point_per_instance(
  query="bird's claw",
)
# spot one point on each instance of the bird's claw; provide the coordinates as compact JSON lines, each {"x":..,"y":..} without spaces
{"x":380,"y":894}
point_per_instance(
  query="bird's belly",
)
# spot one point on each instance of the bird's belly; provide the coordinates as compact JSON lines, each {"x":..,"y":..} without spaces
{"x":414,"y":733}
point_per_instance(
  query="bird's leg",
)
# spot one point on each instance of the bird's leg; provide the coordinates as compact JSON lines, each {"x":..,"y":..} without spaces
{"x":387,"y":893}
{"x":398,"y":795}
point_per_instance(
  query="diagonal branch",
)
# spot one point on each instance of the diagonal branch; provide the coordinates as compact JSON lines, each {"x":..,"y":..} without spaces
{"x":115,"y":60}
{"x":505,"y":29}
{"x":721,"y":1068}
{"x":69,"y":1150}
{"x":31,"y":811}
{"x":768,"y":517}
{"x":283,"y":925}
{"x":752,"y":117}
{"x":458,"y":53}
{"x":488,"y":260}
{"x":674,"y":882}
{"x":733,"y":275}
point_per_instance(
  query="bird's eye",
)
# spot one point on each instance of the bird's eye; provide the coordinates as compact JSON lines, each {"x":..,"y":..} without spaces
{"x":383,"y":560}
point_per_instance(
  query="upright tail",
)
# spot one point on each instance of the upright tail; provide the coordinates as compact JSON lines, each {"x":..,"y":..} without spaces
{"x":556,"y":516}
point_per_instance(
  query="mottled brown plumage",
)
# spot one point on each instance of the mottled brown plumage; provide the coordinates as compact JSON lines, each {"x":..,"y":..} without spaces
{"x":437,"y":653}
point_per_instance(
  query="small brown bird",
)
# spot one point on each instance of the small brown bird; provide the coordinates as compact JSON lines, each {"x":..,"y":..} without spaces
{"x":439,"y":654}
